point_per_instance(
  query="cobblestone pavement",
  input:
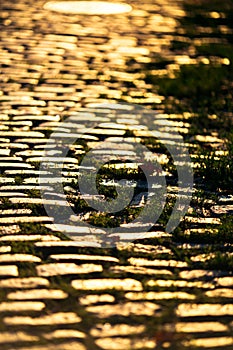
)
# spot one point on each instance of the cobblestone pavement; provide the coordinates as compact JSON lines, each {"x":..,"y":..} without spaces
{"x":155,"y":293}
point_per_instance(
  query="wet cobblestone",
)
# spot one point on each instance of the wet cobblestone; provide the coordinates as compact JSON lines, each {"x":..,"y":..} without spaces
{"x":155,"y":293}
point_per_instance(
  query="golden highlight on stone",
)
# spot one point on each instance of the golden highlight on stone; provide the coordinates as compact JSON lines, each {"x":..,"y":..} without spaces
{"x":87,"y":7}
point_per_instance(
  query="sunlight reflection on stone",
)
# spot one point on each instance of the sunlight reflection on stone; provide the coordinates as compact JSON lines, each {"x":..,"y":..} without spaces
{"x":64,"y":333}
{"x":191,"y":310}
{"x":95,"y":298}
{"x":209,"y":342}
{"x":220,"y":293}
{"x":18,"y":306}
{"x":125,"y":343}
{"x":146,"y":262}
{"x":104,"y":330}
{"x":17,"y":337}
{"x":203,"y":257}
{"x":139,"y":270}
{"x":215,"y":15}
{"x":159,"y":295}
{"x":44,"y":320}
{"x":193,"y":327}
{"x":126,"y":309}
{"x":196,"y":274}
{"x":87,"y":7}
{"x":32,"y":294}
{"x":179,"y":284}
{"x":224,"y":281}
{"x":107,"y":283}
{"x":184,"y":59}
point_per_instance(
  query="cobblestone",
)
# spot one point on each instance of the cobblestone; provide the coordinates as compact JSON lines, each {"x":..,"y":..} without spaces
{"x":9,"y":270}
{"x":190,"y":310}
{"x":27,"y":282}
{"x":17,"y":306}
{"x":56,"y":318}
{"x":32,"y":294}
{"x":125,"y":310}
{"x":66,"y":269}
{"x":18,"y":257}
{"x":161,"y":291}
{"x":126,"y":284}
{"x":16,"y":337}
{"x":63,"y":346}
